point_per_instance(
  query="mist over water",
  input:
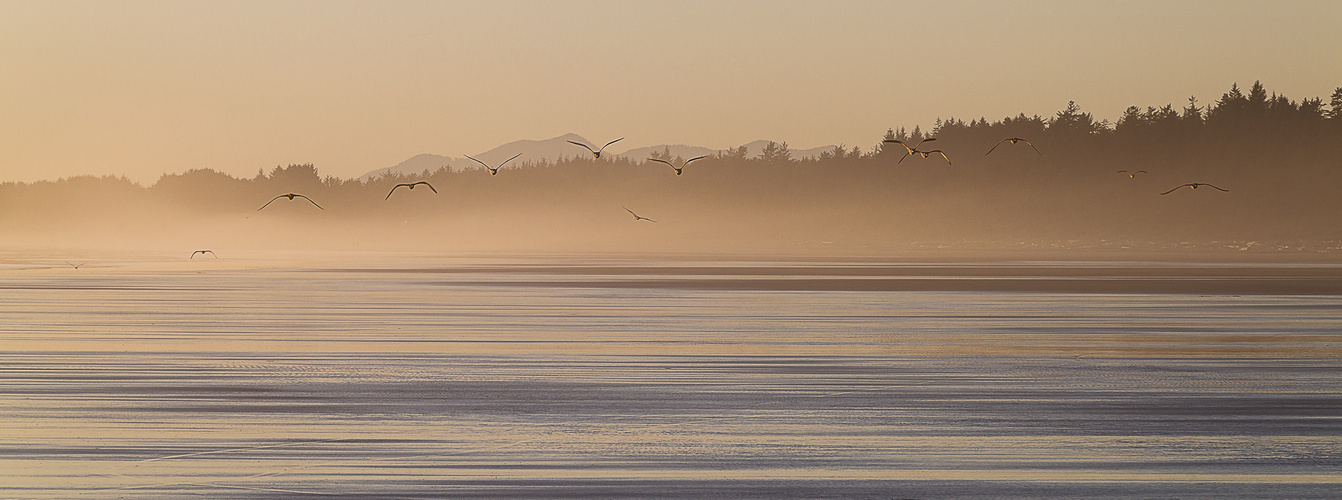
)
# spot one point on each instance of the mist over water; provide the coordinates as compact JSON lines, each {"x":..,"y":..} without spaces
{"x":1276,"y":159}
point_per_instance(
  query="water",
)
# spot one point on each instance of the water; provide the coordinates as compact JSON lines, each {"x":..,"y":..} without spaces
{"x":588,"y":378}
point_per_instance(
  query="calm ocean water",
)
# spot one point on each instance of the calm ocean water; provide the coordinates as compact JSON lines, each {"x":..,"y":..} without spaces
{"x":589,"y":378}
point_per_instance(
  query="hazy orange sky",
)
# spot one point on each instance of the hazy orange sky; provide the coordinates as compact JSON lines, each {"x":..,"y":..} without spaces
{"x":142,"y":88}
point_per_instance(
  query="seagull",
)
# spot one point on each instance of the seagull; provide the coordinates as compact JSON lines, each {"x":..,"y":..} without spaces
{"x":1013,"y":141}
{"x":925,"y":154}
{"x":596,"y":153}
{"x":495,"y":170}
{"x":1193,"y":185}
{"x":1133,"y":174}
{"x":290,"y":196}
{"x":936,"y":151}
{"x":637,"y":217}
{"x":76,"y":266}
{"x":682,"y":165}
{"x":203,"y":252}
{"x":411,"y":186}
{"x":908,"y":148}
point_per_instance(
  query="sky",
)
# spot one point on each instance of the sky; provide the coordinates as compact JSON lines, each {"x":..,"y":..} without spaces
{"x":143,"y":88}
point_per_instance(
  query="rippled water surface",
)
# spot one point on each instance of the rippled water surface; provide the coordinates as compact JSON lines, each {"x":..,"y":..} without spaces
{"x":585,"y":378}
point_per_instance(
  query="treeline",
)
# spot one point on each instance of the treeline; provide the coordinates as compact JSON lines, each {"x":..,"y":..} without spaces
{"x":1281,"y":159}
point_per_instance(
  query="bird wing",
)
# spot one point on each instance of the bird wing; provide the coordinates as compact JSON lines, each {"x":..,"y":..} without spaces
{"x":435,"y":191}
{"x":658,"y":160}
{"x":906,"y":155}
{"x":926,"y":139}
{"x":603,"y":148}
{"x":193,"y":254}
{"x":943,"y":155}
{"x":1036,"y":150}
{"x":272,"y":200}
{"x":631,"y":212}
{"x":315,"y":203}
{"x":1209,"y":185}
{"x":1175,"y":189}
{"x":901,"y":143}
{"x":509,"y":159}
{"x":1122,"y":172}
{"x":999,"y":143}
{"x":687,"y":162}
{"x":483,"y":163}
{"x":393,"y":190}
{"x":589,"y":148}
{"x":1141,"y":172}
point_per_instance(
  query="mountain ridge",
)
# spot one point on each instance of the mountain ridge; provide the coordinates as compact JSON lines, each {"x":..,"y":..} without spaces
{"x":557,"y":148}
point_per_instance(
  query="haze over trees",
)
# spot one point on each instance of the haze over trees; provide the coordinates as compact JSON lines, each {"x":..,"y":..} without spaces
{"x":1280,"y":158}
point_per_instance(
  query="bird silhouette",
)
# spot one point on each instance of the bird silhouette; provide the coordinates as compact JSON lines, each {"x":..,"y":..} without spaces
{"x":637,"y":217}
{"x":682,"y":165}
{"x":935,"y":151}
{"x":907,"y":148}
{"x":1013,"y":141}
{"x":290,"y":196}
{"x":924,"y":154}
{"x":1132,"y":174}
{"x":203,"y":252}
{"x":411,"y":186}
{"x":596,"y":153}
{"x":495,"y":170}
{"x":1193,"y":185}
{"x":76,"y":266}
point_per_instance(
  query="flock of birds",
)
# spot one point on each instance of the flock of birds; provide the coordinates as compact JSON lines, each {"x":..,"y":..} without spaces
{"x":913,"y":150}
{"x":909,"y":150}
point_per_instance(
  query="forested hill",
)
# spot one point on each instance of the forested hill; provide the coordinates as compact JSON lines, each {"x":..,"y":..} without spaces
{"x":1279,"y":159}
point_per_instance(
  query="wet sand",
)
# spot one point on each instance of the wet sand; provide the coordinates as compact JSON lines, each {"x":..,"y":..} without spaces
{"x":670,"y":379}
{"x":1020,"y":277}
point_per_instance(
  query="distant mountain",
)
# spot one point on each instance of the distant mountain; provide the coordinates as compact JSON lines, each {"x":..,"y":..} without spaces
{"x":686,"y":152}
{"x":555,"y":149}
{"x":532,"y":150}
{"x":420,"y":163}
{"x":756,"y":147}
{"x":681,"y":150}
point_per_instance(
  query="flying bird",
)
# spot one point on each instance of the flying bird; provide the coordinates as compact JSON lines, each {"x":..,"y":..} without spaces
{"x":1132,"y":174}
{"x":411,"y":186}
{"x":290,"y":196}
{"x":924,"y":154}
{"x":495,"y":170}
{"x":682,"y":165}
{"x":934,"y":151}
{"x":596,"y":153}
{"x":1013,"y":141}
{"x":907,"y":147}
{"x":637,"y":217}
{"x":1193,"y":185}
{"x":76,"y":266}
{"x":908,"y":150}
{"x":203,"y":252}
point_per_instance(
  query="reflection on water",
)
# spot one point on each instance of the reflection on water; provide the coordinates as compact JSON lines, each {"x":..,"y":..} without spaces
{"x":250,"y":380}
